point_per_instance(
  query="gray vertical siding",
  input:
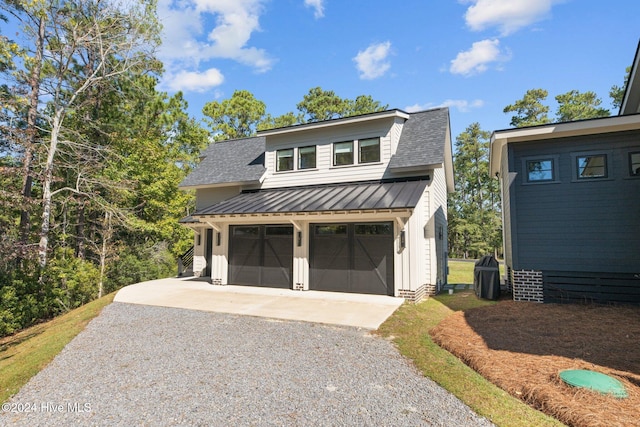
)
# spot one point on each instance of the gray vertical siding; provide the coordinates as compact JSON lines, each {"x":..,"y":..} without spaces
{"x":508,"y":209}
{"x":590,"y":226}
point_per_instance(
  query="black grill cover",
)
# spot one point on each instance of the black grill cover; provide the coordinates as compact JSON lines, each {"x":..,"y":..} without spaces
{"x":486,"y":278}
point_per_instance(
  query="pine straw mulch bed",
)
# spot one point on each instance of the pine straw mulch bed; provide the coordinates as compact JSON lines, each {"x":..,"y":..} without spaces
{"x":522,"y":348}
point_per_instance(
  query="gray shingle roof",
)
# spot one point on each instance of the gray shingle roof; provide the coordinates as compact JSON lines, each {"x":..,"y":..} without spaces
{"x":423,"y":139}
{"x":422,"y":143}
{"x":238,"y":160}
{"x":322,"y":198}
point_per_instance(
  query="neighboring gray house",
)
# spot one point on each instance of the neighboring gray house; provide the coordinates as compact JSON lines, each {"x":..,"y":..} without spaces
{"x":571,"y":206}
{"x":356,"y":204}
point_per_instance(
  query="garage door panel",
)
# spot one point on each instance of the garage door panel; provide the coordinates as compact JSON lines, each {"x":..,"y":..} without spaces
{"x":330,"y":269}
{"x":278,"y":258}
{"x":261,"y":256}
{"x":352,"y":258}
{"x":245,"y":259}
{"x":373,"y":265}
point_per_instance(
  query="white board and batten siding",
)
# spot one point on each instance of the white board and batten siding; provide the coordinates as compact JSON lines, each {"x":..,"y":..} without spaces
{"x":438,"y":211}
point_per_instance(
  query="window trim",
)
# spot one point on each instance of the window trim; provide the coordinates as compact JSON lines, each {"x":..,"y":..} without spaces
{"x":334,"y":163}
{"x":360,"y":162}
{"x":575,"y":177}
{"x":630,"y":170}
{"x":293,"y":164}
{"x":315,"y":157}
{"x":580,"y":168}
{"x":555,"y":178}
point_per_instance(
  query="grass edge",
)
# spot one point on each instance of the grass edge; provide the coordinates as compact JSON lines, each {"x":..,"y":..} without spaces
{"x":27,"y":352}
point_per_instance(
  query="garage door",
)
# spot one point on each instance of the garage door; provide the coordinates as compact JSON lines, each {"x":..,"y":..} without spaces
{"x":261,"y":255}
{"x":352,"y":258}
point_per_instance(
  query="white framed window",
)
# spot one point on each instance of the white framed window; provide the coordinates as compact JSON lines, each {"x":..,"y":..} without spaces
{"x":307,"y":157}
{"x":284,"y":160}
{"x":369,"y":150}
{"x":343,"y":153}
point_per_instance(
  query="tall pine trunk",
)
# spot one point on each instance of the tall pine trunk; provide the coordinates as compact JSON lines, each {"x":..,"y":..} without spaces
{"x":47,"y":179}
{"x":32,"y":132}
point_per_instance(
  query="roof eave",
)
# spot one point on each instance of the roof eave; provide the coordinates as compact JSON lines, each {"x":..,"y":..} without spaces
{"x":220,"y":184}
{"x":415,"y":168}
{"x":558,"y":130}
{"x":335,"y":122}
{"x":631,"y":98}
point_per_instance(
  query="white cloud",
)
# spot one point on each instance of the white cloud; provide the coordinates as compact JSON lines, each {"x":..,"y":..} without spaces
{"x":318,"y":7}
{"x":476,"y":59}
{"x":462,"y":105}
{"x":372,"y":62}
{"x":201,"y":30}
{"x":191,"y":81}
{"x":507,"y":15}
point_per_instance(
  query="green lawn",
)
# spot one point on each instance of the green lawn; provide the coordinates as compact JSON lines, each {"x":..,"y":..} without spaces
{"x":24,"y":354}
{"x":462,"y":271}
{"x":409,"y":328}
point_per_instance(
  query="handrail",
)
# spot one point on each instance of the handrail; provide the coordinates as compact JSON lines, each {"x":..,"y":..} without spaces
{"x":185,"y":262}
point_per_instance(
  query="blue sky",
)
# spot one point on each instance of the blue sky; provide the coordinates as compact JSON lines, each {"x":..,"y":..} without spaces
{"x":476,"y":56}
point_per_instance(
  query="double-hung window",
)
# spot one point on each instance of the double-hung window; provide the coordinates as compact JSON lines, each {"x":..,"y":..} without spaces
{"x":307,"y":157}
{"x":284,"y":160}
{"x":343,"y":153}
{"x":369,"y":150}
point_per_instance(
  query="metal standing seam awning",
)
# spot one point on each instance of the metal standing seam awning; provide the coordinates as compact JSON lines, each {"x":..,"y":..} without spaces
{"x":366,"y":196}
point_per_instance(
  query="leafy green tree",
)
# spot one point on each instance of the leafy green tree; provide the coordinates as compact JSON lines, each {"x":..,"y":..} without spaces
{"x":364,"y":104}
{"x":84,"y":46}
{"x":319,"y":105}
{"x":576,"y":105}
{"x":242,"y":115}
{"x":617,"y":92}
{"x":530,"y":110}
{"x":474,"y":208}
{"x":288,"y":119}
{"x":236,"y":117}
{"x":109,"y":149}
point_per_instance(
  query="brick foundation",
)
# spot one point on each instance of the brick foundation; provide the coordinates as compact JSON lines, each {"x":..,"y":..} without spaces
{"x":417,"y":295}
{"x":527,"y":285}
{"x":508,"y":280}
{"x":298,"y":287}
{"x":217,"y":282}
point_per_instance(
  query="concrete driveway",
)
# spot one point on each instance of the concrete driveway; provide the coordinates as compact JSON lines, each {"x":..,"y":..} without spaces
{"x":334,"y":308}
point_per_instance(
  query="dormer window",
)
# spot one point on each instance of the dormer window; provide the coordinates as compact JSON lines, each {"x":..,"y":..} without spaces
{"x":307,"y":157}
{"x":284,"y":160}
{"x":343,"y":153}
{"x":369,"y":150}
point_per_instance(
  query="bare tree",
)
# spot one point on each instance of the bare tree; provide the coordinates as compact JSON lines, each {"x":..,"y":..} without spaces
{"x":88,"y":44}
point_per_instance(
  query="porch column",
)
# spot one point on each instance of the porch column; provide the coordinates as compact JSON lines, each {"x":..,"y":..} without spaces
{"x":300,"y":255}
{"x":220,"y":255}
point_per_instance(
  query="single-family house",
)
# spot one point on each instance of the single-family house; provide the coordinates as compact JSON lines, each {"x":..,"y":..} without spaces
{"x":571,"y":206}
{"x":355,"y":204}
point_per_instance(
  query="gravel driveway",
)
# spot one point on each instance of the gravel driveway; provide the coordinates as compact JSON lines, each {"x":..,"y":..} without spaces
{"x":141,"y":365}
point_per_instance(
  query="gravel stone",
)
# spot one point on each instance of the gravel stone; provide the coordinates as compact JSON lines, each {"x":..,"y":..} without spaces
{"x":138,"y":365}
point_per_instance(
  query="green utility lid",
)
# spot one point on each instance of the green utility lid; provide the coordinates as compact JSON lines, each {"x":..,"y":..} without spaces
{"x":595,"y":381}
